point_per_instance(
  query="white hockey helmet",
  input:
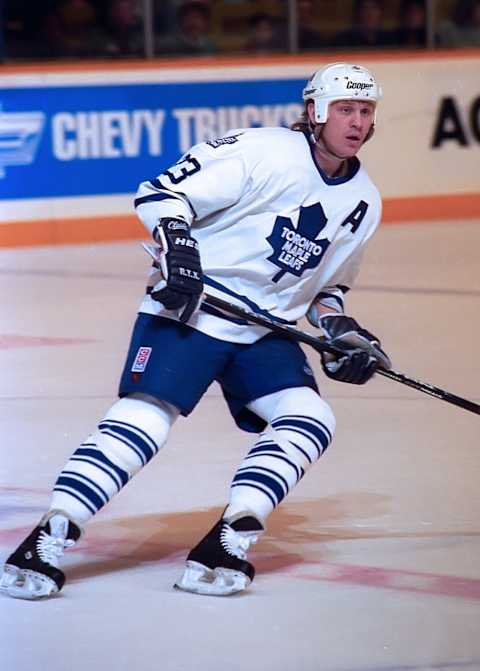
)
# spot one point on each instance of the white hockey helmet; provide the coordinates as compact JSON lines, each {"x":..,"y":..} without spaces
{"x":340,"y":81}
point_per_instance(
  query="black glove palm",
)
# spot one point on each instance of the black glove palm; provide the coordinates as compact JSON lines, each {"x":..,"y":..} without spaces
{"x":179,"y":261}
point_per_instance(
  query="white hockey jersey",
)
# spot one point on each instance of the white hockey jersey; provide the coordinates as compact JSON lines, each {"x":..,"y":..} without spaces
{"x":274,"y":231}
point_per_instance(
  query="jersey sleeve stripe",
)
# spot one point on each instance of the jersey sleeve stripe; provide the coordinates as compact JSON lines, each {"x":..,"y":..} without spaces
{"x":154,"y":197}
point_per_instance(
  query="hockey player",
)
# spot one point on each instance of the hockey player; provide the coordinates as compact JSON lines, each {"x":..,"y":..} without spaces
{"x":272,"y":219}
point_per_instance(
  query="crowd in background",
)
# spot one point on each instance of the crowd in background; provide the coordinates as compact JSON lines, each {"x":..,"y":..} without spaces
{"x":73,"y":29}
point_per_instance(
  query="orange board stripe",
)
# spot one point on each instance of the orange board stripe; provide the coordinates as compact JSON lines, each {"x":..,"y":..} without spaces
{"x":128,"y":227}
{"x":70,"y":231}
{"x":226,"y":61}
{"x":424,"y":208}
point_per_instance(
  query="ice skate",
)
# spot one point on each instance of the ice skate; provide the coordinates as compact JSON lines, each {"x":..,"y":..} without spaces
{"x":218,"y":565}
{"x":32,"y":571}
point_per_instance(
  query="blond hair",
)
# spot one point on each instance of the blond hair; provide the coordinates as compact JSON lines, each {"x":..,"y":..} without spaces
{"x":304,"y":125}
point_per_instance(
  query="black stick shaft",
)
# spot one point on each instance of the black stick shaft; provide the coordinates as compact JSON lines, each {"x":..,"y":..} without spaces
{"x":321,"y":345}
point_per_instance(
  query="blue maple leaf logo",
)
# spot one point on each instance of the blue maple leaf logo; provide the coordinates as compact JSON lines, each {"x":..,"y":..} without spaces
{"x":296,"y":250}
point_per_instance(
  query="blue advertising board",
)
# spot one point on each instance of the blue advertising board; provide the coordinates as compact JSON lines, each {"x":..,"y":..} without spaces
{"x":97,"y":139}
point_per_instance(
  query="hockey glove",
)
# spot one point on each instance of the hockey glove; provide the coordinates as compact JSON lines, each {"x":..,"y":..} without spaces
{"x":363,"y":354}
{"x":179,"y":262}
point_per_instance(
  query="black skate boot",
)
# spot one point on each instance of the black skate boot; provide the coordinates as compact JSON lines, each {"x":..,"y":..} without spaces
{"x":32,"y":572}
{"x":218,"y":564}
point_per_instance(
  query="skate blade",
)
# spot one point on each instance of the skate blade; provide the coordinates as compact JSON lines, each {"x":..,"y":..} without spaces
{"x":26,"y":584}
{"x":199,"y":579}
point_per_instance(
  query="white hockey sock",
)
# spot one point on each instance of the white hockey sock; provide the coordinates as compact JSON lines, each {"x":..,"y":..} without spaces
{"x":130,"y":434}
{"x":301,"y":426}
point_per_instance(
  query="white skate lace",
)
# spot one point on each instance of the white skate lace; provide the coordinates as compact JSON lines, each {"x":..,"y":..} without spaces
{"x":235,"y":543}
{"x":50,"y":548}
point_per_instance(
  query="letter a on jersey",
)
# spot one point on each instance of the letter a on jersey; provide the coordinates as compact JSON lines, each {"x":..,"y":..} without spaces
{"x":296,"y":250}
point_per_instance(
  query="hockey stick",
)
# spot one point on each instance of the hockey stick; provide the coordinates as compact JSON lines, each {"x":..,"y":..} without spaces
{"x":322,"y":345}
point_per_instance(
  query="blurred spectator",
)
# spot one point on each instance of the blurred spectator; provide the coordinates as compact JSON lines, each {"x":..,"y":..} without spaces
{"x":124,"y":29}
{"x":309,"y":39}
{"x":71,"y":30}
{"x":263,"y":34}
{"x":412,"y":30}
{"x":463,"y":29}
{"x":23,"y":28}
{"x":165,"y":16}
{"x":192,"y":36}
{"x":367,"y":28}
{"x":2,"y":31}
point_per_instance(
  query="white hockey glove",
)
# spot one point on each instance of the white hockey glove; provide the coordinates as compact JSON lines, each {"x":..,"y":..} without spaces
{"x":363,"y":354}
{"x":179,"y":262}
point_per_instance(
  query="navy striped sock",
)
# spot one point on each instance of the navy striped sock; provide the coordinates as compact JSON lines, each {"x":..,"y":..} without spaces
{"x":126,"y":440}
{"x":277,"y":462}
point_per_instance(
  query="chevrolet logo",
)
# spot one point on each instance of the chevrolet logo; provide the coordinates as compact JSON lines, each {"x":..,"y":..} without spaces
{"x":20,"y":133}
